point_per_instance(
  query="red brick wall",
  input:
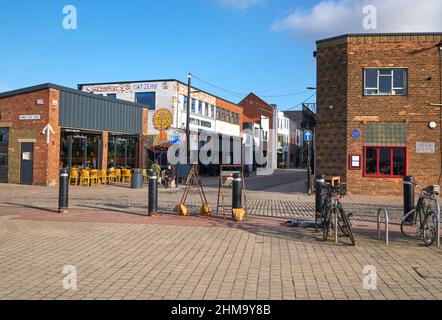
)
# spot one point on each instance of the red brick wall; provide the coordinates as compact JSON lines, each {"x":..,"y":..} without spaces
{"x":254,"y":107}
{"x":45,"y":172}
{"x":346,"y":59}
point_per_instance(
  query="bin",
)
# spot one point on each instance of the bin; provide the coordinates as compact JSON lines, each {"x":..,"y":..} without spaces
{"x":137,"y":179}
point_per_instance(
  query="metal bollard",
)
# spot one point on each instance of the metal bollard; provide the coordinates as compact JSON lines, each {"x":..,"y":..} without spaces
{"x":63,"y":194}
{"x":320,"y":198}
{"x":238,"y":211}
{"x":237,"y":192}
{"x":153,"y":193}
{"x":408,"y":196}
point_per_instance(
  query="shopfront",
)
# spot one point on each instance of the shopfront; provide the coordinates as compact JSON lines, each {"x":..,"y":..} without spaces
{"x":123,"y":151}
{"x":48,"y":127}
{"x":81,"y":149}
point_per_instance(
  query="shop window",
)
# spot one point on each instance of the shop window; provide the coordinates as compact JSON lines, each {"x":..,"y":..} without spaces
{"x":146,"y":98}
{"x":385,"y":81}
{"x":389,"y":162}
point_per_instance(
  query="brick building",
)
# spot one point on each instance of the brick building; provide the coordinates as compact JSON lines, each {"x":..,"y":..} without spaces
{"x":47,"y":127}
{"x":208,"y":112}
{"x":377,"y":113}
{"x":263,"y":116}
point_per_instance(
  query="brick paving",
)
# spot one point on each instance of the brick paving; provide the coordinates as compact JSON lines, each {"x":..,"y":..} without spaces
{"x":119,"y":253}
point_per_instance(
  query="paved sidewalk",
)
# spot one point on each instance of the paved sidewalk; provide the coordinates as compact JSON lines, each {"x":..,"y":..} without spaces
{"x":123,"y":199}
{"x":121,"y":256}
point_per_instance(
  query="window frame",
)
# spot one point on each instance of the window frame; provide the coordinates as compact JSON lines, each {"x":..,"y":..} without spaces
{"x":391,"y":175}
{"x":152,"y":108}
{"x":393,"y":88}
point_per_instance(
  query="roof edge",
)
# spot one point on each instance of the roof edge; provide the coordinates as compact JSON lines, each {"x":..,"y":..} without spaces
{"x":49,"y":85}
{"x":379,"y":35}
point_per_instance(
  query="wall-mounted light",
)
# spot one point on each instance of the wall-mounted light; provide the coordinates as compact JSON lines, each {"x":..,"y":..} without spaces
{"x":432,"y":125}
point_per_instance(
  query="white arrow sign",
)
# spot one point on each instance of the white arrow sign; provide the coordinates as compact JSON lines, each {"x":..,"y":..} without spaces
{"x":48,"y":130}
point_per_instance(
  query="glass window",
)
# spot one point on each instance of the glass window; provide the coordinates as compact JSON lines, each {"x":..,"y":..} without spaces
{"x":200,"y":107}
{"x":146,"y":98}
{"x":385,"y":81}
{"x":112,"y":95}
{"x":185,"y":103}
{"x":399,"y":162}
{"x":223,"y":114}
{"x":385,"y":161}
{"x":237,"y":118}
{"x":212,"y":111}
{"x":218,"y":113}
{"x":207,"y":109}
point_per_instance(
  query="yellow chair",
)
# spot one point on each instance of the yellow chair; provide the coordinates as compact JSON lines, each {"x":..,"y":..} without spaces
{"x":94,"y":177}
{"x":112,"y":177}
{"x":85,"y":178}
{"x":118,"y":175}
{"x":126,"y":175}
{"x":145,"y":176}
{"x":103,"y":176}
{"x":74,"y":176}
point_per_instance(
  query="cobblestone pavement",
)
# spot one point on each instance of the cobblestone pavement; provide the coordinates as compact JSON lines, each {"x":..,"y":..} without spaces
{"x":126,"y":200}
{"x":121,"y":256}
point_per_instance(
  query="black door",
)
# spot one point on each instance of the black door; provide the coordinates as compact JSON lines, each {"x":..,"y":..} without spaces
{"x":27,"y":163}
{"x":4,"y":155}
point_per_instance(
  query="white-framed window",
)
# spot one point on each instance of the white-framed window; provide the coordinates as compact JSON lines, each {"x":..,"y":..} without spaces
{"x":385,"y":81}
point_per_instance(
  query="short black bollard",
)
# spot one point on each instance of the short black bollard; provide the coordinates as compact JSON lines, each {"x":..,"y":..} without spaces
{"x":409,"y":196}
{"x":153,"y":193}
{"x":236,"y":193}
{"x":63,"y":194}
{"x":320,"y":198}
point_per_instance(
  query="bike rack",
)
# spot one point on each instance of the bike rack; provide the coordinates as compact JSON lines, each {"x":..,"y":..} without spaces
{"x":438,"y":220}
{"x":385,"y":212}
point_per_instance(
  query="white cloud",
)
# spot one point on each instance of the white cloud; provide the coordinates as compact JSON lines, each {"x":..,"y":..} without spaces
{"x":240,"y":4}
{"x":4,"y":88}
{"x":330,"y":18}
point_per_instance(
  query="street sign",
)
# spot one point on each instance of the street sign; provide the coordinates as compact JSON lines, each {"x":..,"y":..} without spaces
{"x":175,"y":139}
{"x":308,"y":136}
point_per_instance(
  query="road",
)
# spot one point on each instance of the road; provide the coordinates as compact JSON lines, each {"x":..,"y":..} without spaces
{"x":281,"y":181}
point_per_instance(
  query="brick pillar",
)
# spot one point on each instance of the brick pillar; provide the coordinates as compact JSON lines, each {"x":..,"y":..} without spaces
{"x":53,"y":148}
{"x":143,"y":140}
{"x":104,"y":149}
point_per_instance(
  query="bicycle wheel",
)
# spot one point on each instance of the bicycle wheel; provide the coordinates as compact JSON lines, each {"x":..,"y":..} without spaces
{"x":411,"y":224}
{"x":429,"y":228}
{"x":346,"y":225}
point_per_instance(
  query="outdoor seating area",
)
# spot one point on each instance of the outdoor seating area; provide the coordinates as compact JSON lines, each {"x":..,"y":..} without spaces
{"x":87,"y":177}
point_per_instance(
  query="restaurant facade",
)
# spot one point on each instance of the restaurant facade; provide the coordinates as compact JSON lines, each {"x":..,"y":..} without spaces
{"x":48,"y":127}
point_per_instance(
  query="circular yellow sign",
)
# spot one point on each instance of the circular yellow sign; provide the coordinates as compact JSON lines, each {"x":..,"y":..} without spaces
{"x":162,"y":119}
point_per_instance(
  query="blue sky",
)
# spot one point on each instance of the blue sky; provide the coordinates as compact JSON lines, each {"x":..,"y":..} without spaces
{"x":239,"y":45}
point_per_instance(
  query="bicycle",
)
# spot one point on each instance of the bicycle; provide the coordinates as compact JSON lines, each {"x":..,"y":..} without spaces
{"x":422,"y":221}
{"x":330,"y":208}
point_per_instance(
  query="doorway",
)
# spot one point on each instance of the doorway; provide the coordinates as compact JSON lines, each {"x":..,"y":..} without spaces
{"x":4,"y":153}
{"x":27,"y":163}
